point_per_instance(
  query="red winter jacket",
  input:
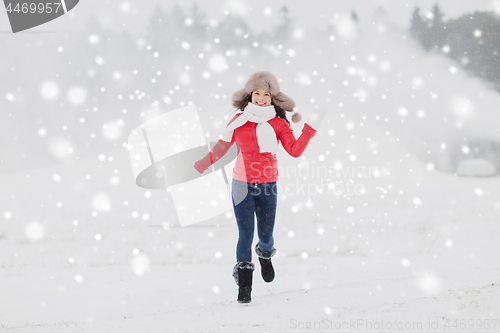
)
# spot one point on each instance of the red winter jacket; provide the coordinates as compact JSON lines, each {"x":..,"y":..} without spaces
{"x":252,"y":166}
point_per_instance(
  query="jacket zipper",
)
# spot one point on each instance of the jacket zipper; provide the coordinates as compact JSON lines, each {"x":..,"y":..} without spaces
{"x":253,"y":153}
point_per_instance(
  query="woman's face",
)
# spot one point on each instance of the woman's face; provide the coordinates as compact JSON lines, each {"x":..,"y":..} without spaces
{"x":261,"y":97}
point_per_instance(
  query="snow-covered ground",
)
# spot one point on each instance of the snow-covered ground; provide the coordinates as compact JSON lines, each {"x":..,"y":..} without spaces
{"x":401,"y":247}
{"x":415,"y":247}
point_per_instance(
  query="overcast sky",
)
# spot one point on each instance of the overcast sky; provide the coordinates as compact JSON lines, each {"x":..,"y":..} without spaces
{"x":133,"y":15}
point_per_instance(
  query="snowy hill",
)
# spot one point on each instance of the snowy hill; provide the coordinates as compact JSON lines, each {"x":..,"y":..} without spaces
{"x":379,"y":75}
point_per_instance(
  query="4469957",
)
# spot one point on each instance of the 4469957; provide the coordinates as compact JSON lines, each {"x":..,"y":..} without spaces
{"x":461,"y":324}
{"x":34,"y":8}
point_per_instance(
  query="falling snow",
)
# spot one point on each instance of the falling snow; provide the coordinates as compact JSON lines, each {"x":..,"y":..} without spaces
{"x":393,"y":213}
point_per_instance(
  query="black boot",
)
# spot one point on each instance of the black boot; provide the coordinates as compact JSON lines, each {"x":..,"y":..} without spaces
{"x":242,"y":273}
{"x":266,"y":266}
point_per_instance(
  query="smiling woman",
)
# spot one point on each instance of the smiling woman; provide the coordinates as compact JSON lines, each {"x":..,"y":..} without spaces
{"x":258,"y":126}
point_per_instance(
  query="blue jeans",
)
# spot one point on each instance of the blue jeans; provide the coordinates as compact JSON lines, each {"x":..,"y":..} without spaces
{"x":247,"y":200}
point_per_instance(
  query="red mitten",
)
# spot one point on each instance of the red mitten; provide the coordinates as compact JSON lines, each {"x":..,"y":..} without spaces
{"x":204,"y":163}
{"x":219,"y":150}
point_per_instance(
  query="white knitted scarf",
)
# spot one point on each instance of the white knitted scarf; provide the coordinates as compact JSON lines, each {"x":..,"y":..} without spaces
{"x":266,"y":137}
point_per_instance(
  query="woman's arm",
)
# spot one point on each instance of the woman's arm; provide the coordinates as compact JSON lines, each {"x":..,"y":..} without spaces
{"x":295,"y":147}
{"x":217,"y":152}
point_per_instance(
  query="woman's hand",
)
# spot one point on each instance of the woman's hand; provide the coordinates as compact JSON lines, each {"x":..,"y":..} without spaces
{"x":200,"y":166}
{"x":316,"y":117}
{"x":219,"y":150}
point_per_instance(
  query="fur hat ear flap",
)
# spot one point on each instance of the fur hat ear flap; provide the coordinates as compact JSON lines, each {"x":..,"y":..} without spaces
{"x":238,"y":96}
{"x":296,"y":117}
{"x":284,"y":102}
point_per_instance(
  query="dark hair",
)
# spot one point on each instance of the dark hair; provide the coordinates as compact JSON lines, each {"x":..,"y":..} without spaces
{"x":279,"y":111}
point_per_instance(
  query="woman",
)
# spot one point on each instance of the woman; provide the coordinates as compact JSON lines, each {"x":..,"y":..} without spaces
{"x":257,"y":128}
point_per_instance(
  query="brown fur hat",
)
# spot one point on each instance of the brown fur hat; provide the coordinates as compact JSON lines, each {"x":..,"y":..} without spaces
{"x":267,"y":81}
